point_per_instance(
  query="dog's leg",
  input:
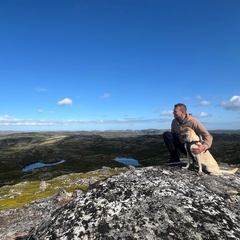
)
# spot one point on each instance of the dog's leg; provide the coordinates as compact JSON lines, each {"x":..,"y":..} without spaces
{"x":188,"y":157}
{"x":198,"y":156}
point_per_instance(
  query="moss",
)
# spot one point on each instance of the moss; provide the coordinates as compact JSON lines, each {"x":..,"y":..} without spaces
{"x":16,"y":196}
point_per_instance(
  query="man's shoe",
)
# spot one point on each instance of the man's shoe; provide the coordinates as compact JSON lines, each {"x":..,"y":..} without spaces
{"x":172,"y":161}
{"x":194,"y":167}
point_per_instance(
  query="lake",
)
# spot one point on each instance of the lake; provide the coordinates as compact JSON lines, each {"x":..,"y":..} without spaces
{"x":40,"y":165}
{"x":128,"y":161}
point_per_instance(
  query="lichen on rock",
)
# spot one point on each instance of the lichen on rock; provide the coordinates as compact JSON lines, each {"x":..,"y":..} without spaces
{"x":151,"y":203}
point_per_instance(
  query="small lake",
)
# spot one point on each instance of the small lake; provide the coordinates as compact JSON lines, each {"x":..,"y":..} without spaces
{"x":40,"y":165}
{"x":128,"y":161}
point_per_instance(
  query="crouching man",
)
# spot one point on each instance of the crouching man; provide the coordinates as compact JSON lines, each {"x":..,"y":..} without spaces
{"x":172,"y":139}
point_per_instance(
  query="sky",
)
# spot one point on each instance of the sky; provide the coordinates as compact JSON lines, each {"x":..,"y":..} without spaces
{"x":118,"y":64}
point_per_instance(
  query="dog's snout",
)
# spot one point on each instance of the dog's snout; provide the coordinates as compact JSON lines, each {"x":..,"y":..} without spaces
{"x":182,"y":133}
{"x":183,"y":136}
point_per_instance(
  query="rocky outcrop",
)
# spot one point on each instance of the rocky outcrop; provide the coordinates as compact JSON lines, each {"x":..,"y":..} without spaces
{"x":15,"y":222}
{"x":18,"y":220}
{"x":151,"y":203}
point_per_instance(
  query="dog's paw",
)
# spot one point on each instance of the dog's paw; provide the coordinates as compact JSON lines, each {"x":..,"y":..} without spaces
{"x":187,"y":167}
{"x":200,"y":173}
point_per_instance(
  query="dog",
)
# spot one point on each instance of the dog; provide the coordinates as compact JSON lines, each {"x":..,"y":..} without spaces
{"x":205,"y":159}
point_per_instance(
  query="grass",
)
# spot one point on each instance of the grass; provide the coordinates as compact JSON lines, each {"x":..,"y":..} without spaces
{"x":17,"y":195}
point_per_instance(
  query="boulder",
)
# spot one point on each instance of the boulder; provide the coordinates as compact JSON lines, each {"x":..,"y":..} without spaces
{"x":152,"y":203}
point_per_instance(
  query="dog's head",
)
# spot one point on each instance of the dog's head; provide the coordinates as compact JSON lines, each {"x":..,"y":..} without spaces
{"x":188,"y":135}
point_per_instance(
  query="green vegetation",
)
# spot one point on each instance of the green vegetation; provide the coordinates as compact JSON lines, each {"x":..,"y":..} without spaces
{"x":25,"y":192}
{"x":81,"y":152}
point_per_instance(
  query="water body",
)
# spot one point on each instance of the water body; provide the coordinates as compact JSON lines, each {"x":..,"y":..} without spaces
{"x":128,"y":161}
{"x":40,"y":165}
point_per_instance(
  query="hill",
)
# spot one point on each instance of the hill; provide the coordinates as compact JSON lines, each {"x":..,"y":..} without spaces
{"x":87,"y":151}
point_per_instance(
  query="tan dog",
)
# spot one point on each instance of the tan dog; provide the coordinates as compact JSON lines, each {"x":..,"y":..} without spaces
{"x":204,"y":159}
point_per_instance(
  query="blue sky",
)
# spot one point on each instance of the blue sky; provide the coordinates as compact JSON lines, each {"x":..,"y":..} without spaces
{"x":118,"y":64}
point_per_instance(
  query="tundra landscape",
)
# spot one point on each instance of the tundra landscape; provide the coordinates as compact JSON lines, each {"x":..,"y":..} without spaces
{"x":87,"y":158}
{"x":87,"y":151}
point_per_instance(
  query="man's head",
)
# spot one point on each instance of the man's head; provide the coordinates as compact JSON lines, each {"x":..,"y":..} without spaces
{"x":180,"y":111}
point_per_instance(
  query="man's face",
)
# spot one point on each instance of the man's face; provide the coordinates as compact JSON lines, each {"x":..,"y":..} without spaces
{"x":177,"y":112}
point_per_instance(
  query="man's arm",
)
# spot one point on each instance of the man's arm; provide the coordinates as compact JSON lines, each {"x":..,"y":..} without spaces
{"x":207,"y":138}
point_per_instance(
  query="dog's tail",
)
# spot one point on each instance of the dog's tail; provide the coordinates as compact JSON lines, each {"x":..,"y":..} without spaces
{"x":230,"y":171}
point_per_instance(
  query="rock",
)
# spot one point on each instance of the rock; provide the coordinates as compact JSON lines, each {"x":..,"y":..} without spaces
{"x":77,"y":193}
{"x":18,"y":221}
{"x":151,"y":203}
{"x":131,"y":168}
{"x":43,"y":186}
{"x":87,"y":181}
{"x":14,"y":222}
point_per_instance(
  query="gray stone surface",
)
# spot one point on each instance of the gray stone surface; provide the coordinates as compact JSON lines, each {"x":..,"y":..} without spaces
{"x":152,"y":203}
{"x":15,"y":222}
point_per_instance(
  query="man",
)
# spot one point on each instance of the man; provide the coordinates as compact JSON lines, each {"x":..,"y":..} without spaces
{"x":172,"y":139}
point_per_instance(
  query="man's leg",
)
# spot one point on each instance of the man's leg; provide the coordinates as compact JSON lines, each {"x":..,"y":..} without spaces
{"x":181,"y":148}
{"x":173,"y":144}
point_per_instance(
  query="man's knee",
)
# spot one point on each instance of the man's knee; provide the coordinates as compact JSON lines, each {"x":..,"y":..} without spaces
{"x":167,"y":135}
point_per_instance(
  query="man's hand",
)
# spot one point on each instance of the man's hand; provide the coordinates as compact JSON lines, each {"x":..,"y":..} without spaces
{"x":199,"y":149}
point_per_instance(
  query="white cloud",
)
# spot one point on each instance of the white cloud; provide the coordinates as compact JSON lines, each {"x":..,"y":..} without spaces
{"x":232,"y":104}
{"x":40,"y":110}
{"x":202,"y":115}
{"x":65,"y":101}
{"x":105,"y":95}
{"x":190,"y":98}
{"x":167,"y":113}
{"x":204,"y":103}
{"x":7,"y":118}
{"x":11,"y":121}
